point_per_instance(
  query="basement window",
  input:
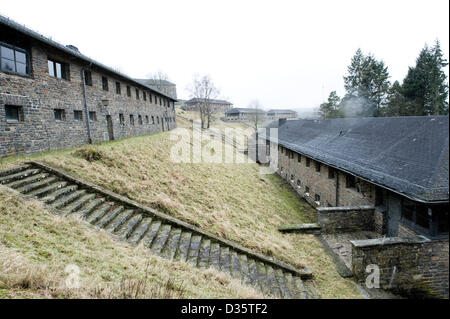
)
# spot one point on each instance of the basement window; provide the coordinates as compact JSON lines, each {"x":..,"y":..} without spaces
{"x":118,"y":88}
{"x":87,"y":77}
{"x":292,"y":178}
{"x":92,"y":117}
{"x":306,"y":190}
{"x":58,"y":69}
{"x":14,"y":113}
{"x":78,"y":115}
{"x":121,"y":119}
{"x":105,"y":83}
{"x":60,"y":114}
{"x":317,"y":199}
{"x":299,"y":183}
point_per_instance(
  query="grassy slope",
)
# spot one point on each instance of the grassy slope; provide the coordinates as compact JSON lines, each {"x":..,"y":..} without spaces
{"x":36,"y":246}
{"x":231,"y":200}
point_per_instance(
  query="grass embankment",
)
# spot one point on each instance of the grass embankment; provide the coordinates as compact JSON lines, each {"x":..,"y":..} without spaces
{"x":36,"y":247}
{"x":231,"y":200}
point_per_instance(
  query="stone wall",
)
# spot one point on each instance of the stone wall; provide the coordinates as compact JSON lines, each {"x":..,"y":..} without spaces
{"x":346,"y":219}
{"x":39,"y":94}
{"x":414,"y":267}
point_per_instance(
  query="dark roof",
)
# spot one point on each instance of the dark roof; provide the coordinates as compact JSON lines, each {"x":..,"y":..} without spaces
{"x":238,"y":110}
{"x":408,"y":155}
{"x":280,"y":111}
{"x":73,"y":51}
{"x":153,"y":82}
{"x":213,"y":101}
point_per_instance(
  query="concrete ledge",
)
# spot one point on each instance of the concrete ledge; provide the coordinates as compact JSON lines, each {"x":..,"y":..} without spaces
{"x":304,"y":273}
{"x":344,"y":208}
{"x":389,"y":241}
{"x":312,"y":228}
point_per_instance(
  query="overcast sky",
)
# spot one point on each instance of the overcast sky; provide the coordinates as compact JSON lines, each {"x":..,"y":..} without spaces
{"x":286,"y":54}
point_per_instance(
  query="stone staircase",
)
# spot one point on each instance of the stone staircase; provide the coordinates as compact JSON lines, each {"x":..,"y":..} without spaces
{"x":161,"y":234}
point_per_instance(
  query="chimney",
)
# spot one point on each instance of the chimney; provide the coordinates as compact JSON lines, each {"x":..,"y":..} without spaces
{"x":73,"y":48}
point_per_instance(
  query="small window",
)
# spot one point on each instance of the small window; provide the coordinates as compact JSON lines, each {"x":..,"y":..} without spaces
{"x":299,"y":183}
{"x":14,"y":113}
{"x":282,"y":149}
{"x":144,"y":96}
{"x":14,"y":59}
{"x":150,"y":97}
{"x":131,"y":119}
{"x":292,"y":155}
{"x":146,"y":120}
{"x":317,"y":167}
{"x":308,"y":162}
{"x":105,"y":83}
{"x":118,"y":88}
{"x":140,"y":119}
{"x":137,"y":94}
{"x":331,"y":173}
{"x":317,"y":198}
{"x":157,"y":119}
{"x":92,"y":116}
{"x":299,"y":158}
{"x":153,"y":119}
{"x":78,"y":115}
{"x":87,"y":77}
{"x":58,"y":69}
{"x":350,"y":181}
{"x":121,"y":119}
{"x":128,"y":91}
{"x":307,"y":190}
{"x":292,"y":178}
{"x":160,"y":102}
{"x":60,"y":114}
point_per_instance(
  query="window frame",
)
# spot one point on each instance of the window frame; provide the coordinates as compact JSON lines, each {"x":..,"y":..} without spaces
{"x":118,"y":88}
{"x":20,"y":115}
{"x":65,"y":69}
{"x":60,"y":111}
{"x":105,"y":83}
{"x":121,"y":119}
{"x":28,"y":71}
{"x":80,"y":112}
{"x":94,"y":118}
{"x":87,"y":75}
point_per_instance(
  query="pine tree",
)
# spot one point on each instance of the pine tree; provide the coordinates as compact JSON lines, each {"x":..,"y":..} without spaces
{"x":330,"y":109}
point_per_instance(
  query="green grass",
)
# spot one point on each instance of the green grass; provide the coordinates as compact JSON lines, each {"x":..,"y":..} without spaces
{"x":231,"y":200}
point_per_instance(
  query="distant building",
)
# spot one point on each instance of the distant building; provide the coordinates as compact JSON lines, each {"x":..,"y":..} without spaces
{"x":219,"y":106}
{"x":244,"y":114}
{"x":163,"y":86}
{"x":281,"y":114}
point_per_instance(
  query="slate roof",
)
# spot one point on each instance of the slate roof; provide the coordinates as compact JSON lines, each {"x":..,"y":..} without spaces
{"x":70,"y":51}
{"x":408,"y":155}
{"x":197,"y":100}
{"x":155,"y":82}
{"x":238,"y":110}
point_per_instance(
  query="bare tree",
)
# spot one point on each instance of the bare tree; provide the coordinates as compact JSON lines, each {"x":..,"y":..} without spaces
{"x":159,"y":79}
{"x":204,"y":90}
{"x":256,"y":118}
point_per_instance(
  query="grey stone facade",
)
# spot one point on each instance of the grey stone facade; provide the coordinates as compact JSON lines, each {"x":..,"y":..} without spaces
{"x":37,"y":95}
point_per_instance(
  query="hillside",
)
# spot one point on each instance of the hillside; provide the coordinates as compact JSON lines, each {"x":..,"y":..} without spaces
{"x":230,"y":200}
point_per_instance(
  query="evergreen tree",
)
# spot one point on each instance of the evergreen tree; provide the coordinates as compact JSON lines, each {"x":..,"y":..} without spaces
{"x":330,"y":109}
{"x":397,"y":104}
{"x":367,"y":85}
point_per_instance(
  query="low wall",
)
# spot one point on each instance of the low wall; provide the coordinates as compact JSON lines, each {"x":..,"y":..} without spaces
{"x":414,"y":266}
{"x":346,"y":219}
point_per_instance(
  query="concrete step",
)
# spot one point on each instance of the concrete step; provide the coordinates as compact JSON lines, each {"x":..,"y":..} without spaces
{"x":19,"y":175}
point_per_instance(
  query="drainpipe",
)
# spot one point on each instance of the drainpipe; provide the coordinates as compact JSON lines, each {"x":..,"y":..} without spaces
{"x":337,"y":188}
{"x":86,"y":110}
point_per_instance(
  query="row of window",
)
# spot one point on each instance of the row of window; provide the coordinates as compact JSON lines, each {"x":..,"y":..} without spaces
{"x":300,"y":185}
{"x":17,"y":60}
{"x":14,"y":113}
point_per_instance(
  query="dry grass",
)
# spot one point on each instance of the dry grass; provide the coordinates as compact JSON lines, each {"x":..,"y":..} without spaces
{"x":231,"y":200}
{"x":37,"y":246}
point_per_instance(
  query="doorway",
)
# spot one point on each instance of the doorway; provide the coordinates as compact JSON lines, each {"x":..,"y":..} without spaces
{"x":109,"y":124}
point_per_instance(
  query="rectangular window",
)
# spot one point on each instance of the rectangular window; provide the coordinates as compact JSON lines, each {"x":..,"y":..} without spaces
{"x":331,"y":173}
{"x":317,"y":167}
{"x":160,"y":101}
{"x":282,"y":149}
{"x":137,"y":94}
{"x":153,"y":119}
{"x":131,"y":119}
{"x":60,"y":114}
{"x":144,"y":96}
{"x":350,"y":181}
{"x":307,"y":190}
{"x":140,"y":119}
{"x":14,"y":113}
{"x":157,"y":119}
{"x":150,"y":97}
{"x":292,"y":155}
{"x":92,"y":116}
{"x":317,"y":198}
{"x":78,"y":115}
{"x":87,"y":77}
{"x":299,"y":183}
{"x":128,"y":91}
{"x":299,"y":159}
{"x":14,"y":59}
{"x":58,"y":69}
{"x":121,"y":119}
{"x":118,"y":88}
{"x":146,"y":119}
{"x":308,"y":162}
{"x":105,"y":83}
{"x":292,"y":178}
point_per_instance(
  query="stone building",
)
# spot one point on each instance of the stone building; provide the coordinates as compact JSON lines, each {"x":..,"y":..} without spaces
{"x":281,"y":114}
{"x":163,"y":86}
{"x":218,"y":106}
{"x":245,"y":115}
{"x":53,"y":97}
{"x":388,"y":175}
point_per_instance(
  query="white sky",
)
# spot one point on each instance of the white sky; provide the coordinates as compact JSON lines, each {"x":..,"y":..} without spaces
{"x":286,"y":54}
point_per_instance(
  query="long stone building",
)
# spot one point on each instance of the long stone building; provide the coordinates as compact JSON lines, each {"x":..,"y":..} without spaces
{"x":242,"y":114}
{"x":52,"y":97}
{"x":281,"y":114}
{"x":218,"y":106}
{"x":389,"y":174}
